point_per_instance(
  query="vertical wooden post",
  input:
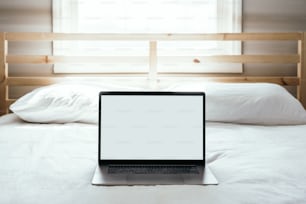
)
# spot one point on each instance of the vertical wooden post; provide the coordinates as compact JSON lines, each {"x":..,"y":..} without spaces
{"x":301,"y":72}
{"x":153,"y":63}
{"x":3,"y":75}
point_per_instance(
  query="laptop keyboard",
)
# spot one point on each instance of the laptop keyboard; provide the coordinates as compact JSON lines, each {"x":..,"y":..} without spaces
{"x":153,"y":169}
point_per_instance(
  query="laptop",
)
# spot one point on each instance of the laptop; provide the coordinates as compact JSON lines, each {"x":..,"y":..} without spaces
{"x":152,"y":138}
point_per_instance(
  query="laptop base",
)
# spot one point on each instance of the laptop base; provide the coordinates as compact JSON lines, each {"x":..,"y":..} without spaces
{"x":101,"y":177}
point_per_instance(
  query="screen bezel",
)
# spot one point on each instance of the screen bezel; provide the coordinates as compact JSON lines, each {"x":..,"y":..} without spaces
{"x":164,"y":93}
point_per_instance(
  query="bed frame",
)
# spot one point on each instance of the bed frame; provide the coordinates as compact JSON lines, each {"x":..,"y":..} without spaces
{"x":298,"y":58}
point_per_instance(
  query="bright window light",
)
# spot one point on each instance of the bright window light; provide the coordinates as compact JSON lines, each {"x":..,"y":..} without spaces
{"x":147,"y":16}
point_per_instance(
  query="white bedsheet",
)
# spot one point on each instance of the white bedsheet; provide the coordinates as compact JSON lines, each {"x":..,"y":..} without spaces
{"x":51,"y":163}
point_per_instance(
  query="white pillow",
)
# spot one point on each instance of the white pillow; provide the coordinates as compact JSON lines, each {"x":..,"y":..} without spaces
{"x":62,"y":103}
{"x":251,"y":103}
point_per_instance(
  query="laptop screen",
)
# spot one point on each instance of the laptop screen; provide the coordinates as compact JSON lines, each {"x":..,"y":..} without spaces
{"x":151,"y":126}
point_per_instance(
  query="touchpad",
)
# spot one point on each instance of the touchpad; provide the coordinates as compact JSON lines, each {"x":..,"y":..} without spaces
{"x":154,"y":179}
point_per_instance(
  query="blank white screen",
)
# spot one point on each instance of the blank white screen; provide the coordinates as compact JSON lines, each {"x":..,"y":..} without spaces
{"x":152,"y":127}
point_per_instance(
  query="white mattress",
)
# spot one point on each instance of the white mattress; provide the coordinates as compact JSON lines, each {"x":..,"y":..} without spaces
{"x":52,"y":163}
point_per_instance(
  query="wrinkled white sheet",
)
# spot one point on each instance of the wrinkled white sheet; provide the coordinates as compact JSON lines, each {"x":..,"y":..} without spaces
{"x":52,"y":163}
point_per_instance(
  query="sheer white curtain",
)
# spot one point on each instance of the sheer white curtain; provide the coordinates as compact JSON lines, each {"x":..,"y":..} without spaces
{"x":147,"y":16}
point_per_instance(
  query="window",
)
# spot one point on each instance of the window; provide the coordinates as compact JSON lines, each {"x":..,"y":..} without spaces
{"x":147,"y":16}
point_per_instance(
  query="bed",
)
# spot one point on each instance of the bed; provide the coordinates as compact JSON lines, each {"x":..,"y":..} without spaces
{"x":255,"y":133}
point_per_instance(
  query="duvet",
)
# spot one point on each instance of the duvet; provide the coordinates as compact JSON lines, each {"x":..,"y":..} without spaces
{"x":54,"y":163}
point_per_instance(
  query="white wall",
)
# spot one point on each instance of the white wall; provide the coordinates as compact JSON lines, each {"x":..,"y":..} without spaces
{"x":27,"y":16}
{"x":273,"y":16}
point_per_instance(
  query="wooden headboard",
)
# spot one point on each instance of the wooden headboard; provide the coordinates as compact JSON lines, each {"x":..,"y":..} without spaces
{"x":298,"y":58}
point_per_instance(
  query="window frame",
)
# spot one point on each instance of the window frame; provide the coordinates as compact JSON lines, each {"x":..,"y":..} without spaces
{"x":234,"y":24}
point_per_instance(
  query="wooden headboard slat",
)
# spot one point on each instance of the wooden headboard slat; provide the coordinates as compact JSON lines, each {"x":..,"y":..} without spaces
{"x":48,"y":59}
{"x":41,"y":81}
{"x":148,"y":37}
{"x":301,"y":70}
{"x":2,"y":56}
{"x":3,"y":74}
{"x":298,"y":58}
